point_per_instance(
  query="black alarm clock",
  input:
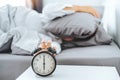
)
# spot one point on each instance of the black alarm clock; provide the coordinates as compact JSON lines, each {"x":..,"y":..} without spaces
{"x":43,"y":62}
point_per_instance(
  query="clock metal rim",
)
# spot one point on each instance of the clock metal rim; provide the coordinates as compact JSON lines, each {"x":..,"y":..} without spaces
{"x":46,"y":52}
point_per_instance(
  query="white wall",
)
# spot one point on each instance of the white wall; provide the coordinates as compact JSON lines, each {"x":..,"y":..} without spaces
{"x":95,"y":2}
{"x":118,"y":22}
{"x":12,"y":2}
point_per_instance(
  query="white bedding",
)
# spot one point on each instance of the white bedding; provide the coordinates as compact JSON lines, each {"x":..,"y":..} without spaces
{"x":51,"y":11}
{"x":24,"y":25}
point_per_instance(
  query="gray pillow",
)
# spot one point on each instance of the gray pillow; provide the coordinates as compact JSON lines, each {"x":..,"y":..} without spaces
{"x":77,"y":25}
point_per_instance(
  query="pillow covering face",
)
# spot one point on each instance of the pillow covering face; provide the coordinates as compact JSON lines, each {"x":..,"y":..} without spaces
{"x":77,"y":25}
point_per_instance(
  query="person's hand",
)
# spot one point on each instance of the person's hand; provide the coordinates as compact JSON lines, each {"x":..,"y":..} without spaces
{"x":49,"y":44}
{"x":42,"y":44}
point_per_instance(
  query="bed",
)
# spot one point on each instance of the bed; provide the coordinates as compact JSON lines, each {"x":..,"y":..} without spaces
{"x":101,"y":55}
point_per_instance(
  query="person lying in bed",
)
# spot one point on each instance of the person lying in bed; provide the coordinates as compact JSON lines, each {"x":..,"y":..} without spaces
{"x":52,"y":48}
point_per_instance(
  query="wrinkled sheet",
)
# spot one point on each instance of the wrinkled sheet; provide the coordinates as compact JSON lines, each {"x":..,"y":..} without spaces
{"x":24,"y":25}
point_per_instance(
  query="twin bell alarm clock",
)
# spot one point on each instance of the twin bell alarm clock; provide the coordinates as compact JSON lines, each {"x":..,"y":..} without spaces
{"x":44,"y":62}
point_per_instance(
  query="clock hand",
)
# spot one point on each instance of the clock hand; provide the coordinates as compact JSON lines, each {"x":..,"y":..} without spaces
{"x":44,"y":62}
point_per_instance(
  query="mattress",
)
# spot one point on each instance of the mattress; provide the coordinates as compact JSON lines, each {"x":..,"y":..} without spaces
{"x":102,"y":55}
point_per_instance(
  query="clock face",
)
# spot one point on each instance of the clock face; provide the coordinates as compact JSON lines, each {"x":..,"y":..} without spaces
{"x":43,"y":64}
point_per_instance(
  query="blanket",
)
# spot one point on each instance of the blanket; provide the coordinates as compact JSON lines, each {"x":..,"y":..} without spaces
{"x":24,"y":25}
